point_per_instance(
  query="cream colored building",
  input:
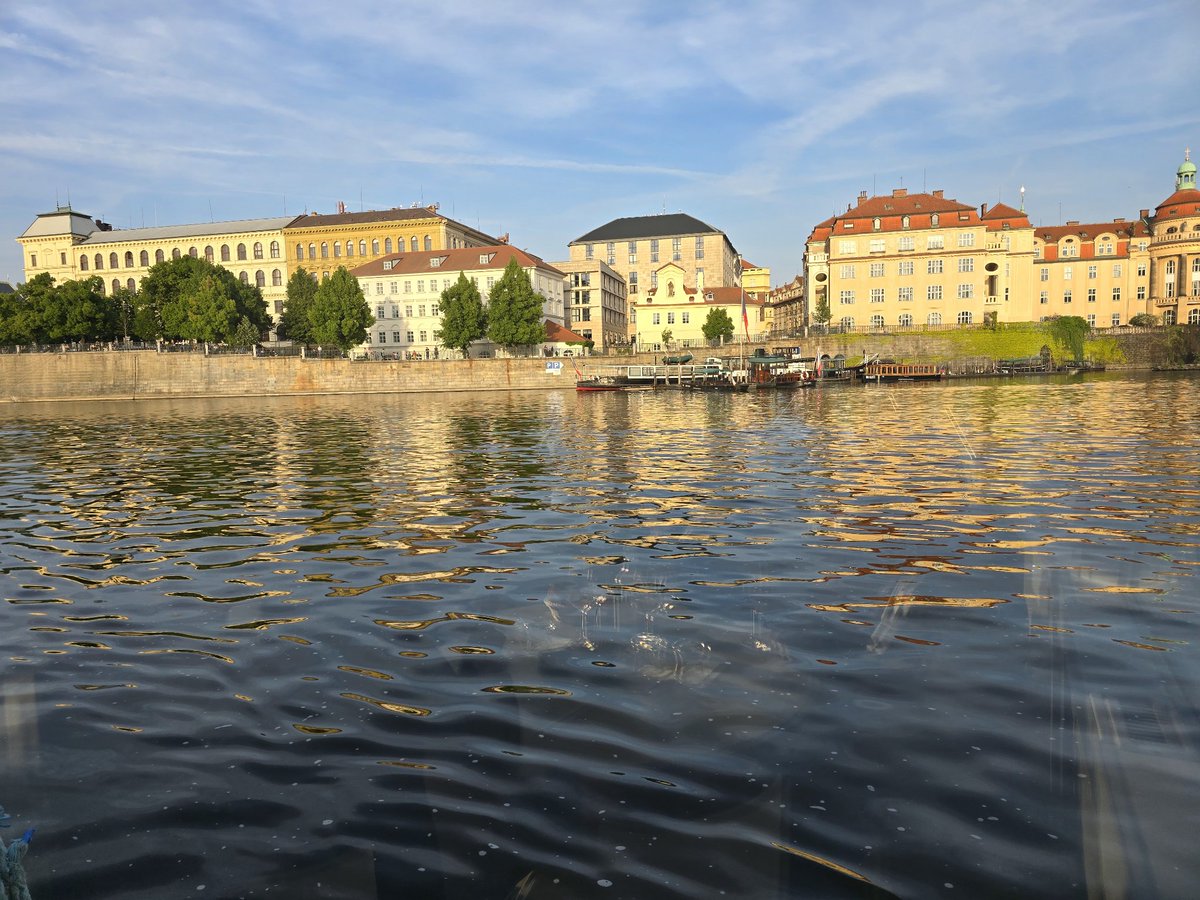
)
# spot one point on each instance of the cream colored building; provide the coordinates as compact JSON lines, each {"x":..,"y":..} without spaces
{"x":1098,"y":272}
{"x":404,"y":292}
{"x":636,"y":248}
{"x":596,"y":303}
{"x":788,"y":315}
{"x":1174,"y":251}
{"x":70,"y":245}
{"x":675,"y":306}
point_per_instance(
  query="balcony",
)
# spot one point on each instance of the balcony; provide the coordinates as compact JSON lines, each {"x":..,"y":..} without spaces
{"x":991,"y":300}
{"x":1164,"y":301}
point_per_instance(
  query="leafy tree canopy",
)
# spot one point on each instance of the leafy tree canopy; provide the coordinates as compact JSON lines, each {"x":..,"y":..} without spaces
{"x":717,"y":325}
{"x":1144,"y":319}
{"x":514,"y":313}
{"x":188,"y":297}
{"x":464,"y":319}
{"x":1070,"y":332}
{"x":339,"y":315}
{"x":41,"y":312}
{"x":821,"y":312}
{"x":294,"y":324}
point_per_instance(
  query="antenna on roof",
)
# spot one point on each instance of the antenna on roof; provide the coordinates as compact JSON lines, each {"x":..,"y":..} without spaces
{"x":1022,"y":198}
{"x":210,"y":215}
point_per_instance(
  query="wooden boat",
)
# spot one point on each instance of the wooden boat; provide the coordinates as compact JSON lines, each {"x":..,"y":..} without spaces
{"x":882,"y":372}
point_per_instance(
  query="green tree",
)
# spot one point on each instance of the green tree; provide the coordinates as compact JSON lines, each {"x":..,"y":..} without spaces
{"x":246,"y":334}
{"x":514,"y":313}
{"x":79,"y":311}
{"x":821,"y":312}
{"x":464,"y":319}
{"x":717,"y":325}
{"x":666,"y":337}
{"x":25,"y":311}
{"x":1070,"y":332}
{"x":181,"y":298}
{"x":294,"y":324}
{"x":339,"y":315}
{"x":1144,"y":320}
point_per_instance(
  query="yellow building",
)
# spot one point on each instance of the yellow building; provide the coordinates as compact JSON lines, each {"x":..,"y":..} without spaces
{"x":919,"y":259}
{"x":1174,"y":251}
{"x":674,"y":306}
{"x":788,"y":314}
{"x":1095,"y":271}
{"x":636,"y":247}
{"x":755,"y":279}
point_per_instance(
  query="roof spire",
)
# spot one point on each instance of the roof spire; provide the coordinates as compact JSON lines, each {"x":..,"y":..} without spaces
{"x":1185,"y":175}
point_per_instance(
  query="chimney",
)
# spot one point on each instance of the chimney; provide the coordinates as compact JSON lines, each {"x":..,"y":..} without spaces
{"x":341,"y":207}
{"x":1072,"y":221}
{"x":938,"y":194}
{"x":862,"y":195}
{"x":982,"y":210}
{"x":1119,"y":219}
{"x":1144,"y":213}
{"x":899,"y":192}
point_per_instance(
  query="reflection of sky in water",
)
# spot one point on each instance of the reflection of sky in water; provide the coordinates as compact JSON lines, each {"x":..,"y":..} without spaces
{"x":769,"y":644}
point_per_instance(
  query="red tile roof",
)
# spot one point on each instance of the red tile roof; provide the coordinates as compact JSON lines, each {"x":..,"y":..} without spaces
{"x":1052,"y":234}
{"x":1178,"y":205}
{"x":556,"y":333}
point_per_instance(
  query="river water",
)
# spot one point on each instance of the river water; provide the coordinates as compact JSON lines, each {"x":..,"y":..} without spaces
{"x":912,"y":641}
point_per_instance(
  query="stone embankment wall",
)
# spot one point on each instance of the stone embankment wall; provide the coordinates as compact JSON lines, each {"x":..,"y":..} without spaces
{"x":144,"y":374}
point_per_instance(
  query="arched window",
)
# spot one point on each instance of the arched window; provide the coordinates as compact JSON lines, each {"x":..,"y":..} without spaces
{"x":99,"y":261}
{"x":312,"y":251}
{"x":934,"y":318}
{"x":362,"y":248}
{"x":337,"y":250}
{"x":144,"y":258}
{"x":260,"y":278}
{"x":933,"y":220}
{"x":324,"y":250}
{"x":112,"y":260}
{"x":413,"y":243}
{"x":208,"y":253}
{"x":258,"y":250}
{"x":964,"y":317}
{"x":193,"y":252}
{"x":387,"y":245}
{"x":274,"y":249}
{"x":904,"y":222}
{"x":83,"y":263}
{"x":175,"y":254}
{"x":129,"y":259}
{"x":1194,"y":316}
{"x":375,"y":247}
{"x":130,"y":285}
{"x":116,"y":285}
{"x":906,"y":320}
{"x":847,"y":322}
{"x":158,"y":256}
{"x":224,"y":253}
{"x":349,"y":248}
{"x":243,"y":278}
{"x":876,"y":321}
{"x":276,"y":278}
{"x":102,"y":288}
{"x":1169,"y":317}
{"x":875,"y":224}
{"x":428,"y":242}
{"x":241,"y":251}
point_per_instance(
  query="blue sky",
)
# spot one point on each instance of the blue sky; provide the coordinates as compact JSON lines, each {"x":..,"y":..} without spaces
{"x":548,"y":119}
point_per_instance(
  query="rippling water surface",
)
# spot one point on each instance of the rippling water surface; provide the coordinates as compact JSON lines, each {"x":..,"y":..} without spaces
{"x":929,"y":640}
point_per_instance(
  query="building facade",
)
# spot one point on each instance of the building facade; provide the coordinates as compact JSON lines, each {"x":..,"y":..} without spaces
{"x":673,"y":312}
{"x":1099,"y":272}
{"x":404,"y":291}
{"x":788,"y":311}
{"x":637,"y":247}
{"x":1174,"y":251}
{"x":596,"y":303}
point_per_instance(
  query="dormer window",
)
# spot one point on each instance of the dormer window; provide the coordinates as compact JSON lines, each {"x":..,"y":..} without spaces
{"x":485,"y":258}
{"x":437,"y":261}
{"x":875,"y":224}
{"x":387,"y":265}
{"x":933,"y":220}
{"x":904,"y":222}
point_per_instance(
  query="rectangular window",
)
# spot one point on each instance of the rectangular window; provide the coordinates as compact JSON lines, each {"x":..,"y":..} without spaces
{"x":936,"y":242}
{"x":906,"y":267}
{"x":633,"y":282}
{"x":699,"y":248}
{"x":846,"y":296}
{"x":1141,"y":270}
{"x":1116,"y":319}
{"x":408,"y":287}
{"x":906,"y":294}
{"x":421,"y":310}
{"x":676,"y":249}
{"x":966,"y":291}
{"x":670,"y":318}
{"x":395,"y":337}
{"x":654,"y":250}
{"x":588,"y":251}
{"x":395,"y":311}
{"x":1116,"y":295}
{"x":379,"y":287}
{"x":1066,"y":273}
{"x":656,"y":319}
{"x":847,"y":271}
{"x":908,"y":242}
{"x":878,"y":245}
{"x":876,"y":295}
{"x":408,"y":312}
{"x":685,"y":317}
{"x":966,"y":264}
{"x":1091,"y":295}
{"x":966,"y":239}
{"x":424,"y":336}
{"x":1141,"y":292}
{"x":1091,"y":272}
{"x":1067,"y":296}
{"x":876,"y":270}
{"x":845,"y":246}
{"x":383,"y":337}
{"x":935,"y":267}
{"x":933,"y":292}
{"x":1070,"y":250}
{"x":1091,"y":319}
{"x":1044,"y":274}
{"x":1044,"y":297}
{"x":379,"y":311}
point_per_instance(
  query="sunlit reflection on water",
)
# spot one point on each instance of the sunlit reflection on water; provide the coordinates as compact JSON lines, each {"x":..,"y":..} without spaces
{"x":919,"y":641}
